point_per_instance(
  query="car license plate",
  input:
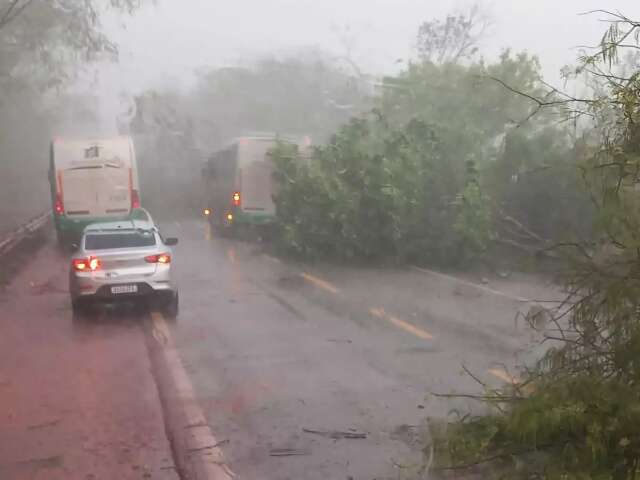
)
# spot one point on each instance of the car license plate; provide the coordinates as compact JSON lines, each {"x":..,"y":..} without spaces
{"x":124,"y":289}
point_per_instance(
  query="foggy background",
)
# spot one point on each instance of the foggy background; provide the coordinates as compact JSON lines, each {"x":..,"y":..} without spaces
{"x":167,"y":41}
{"x":165,"y":45}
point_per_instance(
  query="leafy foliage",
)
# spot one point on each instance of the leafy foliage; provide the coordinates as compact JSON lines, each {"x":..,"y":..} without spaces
{"x":423,"y":205}
{"x":576,"y":414}
{"x":453,"y":40}
{"x":43,"y":44}
{"x":473,"y":221}
{"x":376,"y":192}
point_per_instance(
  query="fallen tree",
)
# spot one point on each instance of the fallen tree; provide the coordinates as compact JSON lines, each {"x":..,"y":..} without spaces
{"x":575,"y":414}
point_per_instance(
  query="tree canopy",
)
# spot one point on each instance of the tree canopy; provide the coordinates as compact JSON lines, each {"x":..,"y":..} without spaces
{"x":574,"y":415}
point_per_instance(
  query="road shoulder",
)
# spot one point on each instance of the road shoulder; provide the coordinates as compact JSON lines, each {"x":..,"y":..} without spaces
{"x":77,"y":399}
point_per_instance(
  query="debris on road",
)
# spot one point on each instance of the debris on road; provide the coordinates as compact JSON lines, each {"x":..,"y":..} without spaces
{"x":288,"y":452}
{"x":197,"y":424}
{"x":47,"y":286}
{"x":50,"y":423}
{"x":215,"y":445}
{"x":336,"y":434}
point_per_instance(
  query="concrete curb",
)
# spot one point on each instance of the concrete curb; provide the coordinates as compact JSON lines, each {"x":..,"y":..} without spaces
{"x":196,"y":451}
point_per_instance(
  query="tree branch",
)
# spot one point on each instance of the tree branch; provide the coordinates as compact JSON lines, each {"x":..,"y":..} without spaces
{"x":13,"y":11}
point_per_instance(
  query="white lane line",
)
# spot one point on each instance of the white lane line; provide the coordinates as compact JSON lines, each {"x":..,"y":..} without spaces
{"x":201,"y":443}
{"x":398,"y":322}
{"x":320,"y":283}
{"x":470,"y":284}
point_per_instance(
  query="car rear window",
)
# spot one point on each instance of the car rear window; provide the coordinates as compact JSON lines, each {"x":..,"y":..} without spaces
{"x":104,"y":241}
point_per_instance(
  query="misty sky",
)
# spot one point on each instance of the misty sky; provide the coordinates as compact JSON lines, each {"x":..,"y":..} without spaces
{"x":165,"y":43}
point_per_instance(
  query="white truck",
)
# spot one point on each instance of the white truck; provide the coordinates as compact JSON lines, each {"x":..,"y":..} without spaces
{"x":238,"y":182}
{"x":91,"y":180}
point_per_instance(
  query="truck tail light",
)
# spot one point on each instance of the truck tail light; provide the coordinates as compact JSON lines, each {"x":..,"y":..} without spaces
{"x":236,"y":199}
{"x":135,"y":199}
{"x":58,"y":205}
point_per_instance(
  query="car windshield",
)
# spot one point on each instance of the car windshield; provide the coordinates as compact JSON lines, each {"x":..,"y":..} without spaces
{"x":105,"y":241}
{"x":320,"y":239}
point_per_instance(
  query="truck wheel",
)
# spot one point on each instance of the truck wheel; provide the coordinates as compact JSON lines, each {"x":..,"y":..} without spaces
{"x":63,"y":240}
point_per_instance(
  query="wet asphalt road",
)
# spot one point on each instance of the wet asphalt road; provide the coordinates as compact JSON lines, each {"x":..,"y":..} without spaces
{"x":272,"y":349}
{"x":77,"y":399}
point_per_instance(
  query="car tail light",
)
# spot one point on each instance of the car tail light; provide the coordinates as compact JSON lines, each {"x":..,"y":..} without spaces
{"x":90,"y":264}
{"x":236,"y":199}
{"x":160,"y":258}
{"x":58,"y":206}
{"x":135,"y":199}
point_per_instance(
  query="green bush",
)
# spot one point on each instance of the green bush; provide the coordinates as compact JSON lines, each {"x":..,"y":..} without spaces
{"x":378,"y":192}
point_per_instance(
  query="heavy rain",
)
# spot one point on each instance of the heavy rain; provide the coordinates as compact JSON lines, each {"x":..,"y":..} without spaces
{"x":313,"y":239}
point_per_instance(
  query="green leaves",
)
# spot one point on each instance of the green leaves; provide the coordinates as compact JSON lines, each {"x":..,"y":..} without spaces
{"x":44,"y":43}
{"x":404,"y":167}
{"x":376,"y":192}
{"x":580,"y":417}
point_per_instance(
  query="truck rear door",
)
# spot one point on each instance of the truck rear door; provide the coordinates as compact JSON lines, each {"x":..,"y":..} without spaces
{"x":257,"y":178}
{"x":96,"y":191}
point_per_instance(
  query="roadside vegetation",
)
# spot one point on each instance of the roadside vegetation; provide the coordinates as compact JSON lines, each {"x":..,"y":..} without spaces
{"x":575,"y":414}
{"x":43,"y":48}
{"x":450,"y":165}
{"x":461,"y":155}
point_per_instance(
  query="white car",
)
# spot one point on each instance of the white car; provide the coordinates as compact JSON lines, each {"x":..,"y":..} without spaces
{"x":123,"y":260}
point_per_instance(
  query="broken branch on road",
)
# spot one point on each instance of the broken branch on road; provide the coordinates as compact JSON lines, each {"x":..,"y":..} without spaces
{"x":336,"y":434}
{"x":288,"y":452}
{"x":215,"y":445}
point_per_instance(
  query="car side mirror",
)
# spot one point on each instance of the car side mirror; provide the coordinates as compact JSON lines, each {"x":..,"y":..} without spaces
{"x":171,"y":241}
{"x":75,"y":245}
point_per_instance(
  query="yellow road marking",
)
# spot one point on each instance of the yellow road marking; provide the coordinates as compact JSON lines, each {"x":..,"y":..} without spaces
{"x":513,"y":380}
{"x":505,"y":376}
{"x":318,"y":282}
{"x":406,"y":326}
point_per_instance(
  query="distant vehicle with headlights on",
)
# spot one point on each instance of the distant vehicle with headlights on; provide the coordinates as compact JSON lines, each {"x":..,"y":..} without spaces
{"x":238,"y":182}
{"x":123,"y":260}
